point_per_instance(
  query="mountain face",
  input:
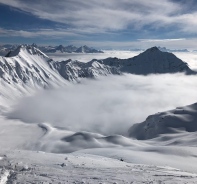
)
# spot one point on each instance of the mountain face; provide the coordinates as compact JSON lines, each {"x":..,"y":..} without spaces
{"x":73,"y":70}
{"x":181,"y":118}
{"x":27,"y":65}
{"x":152,"y":61}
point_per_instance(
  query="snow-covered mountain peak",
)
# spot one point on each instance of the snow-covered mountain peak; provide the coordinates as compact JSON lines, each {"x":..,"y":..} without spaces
{"x":26,"y":49}
{"x":27,"y":68}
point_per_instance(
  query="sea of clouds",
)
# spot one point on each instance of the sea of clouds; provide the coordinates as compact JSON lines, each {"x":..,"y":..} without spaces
{"x":108,"y":105}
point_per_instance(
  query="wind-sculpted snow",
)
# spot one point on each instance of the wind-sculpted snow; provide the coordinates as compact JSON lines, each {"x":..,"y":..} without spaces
{"x":121,"y":158}
{"x":174,"y":121}
{"x":59,"y":140}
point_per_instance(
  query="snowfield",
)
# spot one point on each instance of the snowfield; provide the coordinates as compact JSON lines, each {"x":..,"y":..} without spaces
{"x":113,"y":129}
{"x":39,"y":167}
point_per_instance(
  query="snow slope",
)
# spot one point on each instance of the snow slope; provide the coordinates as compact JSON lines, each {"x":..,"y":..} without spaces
{"x":25,"y":70}
{"x":40,"y":167}
{"x":170,"y":122}
{"x":74,"y":70}
{"x":117,"y":160}
{"x":28,"y":65}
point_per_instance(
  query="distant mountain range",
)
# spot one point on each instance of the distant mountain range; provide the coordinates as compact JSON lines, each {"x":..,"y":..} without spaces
{"x":4,"y":49}
{"x":28,"y":67}
{"x":68,"y":49}
{"x":164,"y":49}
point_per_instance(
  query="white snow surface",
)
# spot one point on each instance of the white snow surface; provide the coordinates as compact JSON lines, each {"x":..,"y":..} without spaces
{"x":44,"y":152}
{"x":40,"y":167}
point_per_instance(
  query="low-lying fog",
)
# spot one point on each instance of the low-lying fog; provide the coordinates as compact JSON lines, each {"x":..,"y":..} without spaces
{"x":109,"y":105}
{"x":189,"y":57}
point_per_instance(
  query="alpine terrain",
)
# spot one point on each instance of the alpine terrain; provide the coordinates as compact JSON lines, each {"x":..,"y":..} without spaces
{"x":40,"y":152}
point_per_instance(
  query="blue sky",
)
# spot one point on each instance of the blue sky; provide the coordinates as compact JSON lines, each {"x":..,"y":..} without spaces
{"x":100,"y":23}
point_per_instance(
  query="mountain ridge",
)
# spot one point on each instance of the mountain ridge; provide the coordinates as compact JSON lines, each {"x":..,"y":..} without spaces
{"x":28,"y":66}
{"x":151,"y":61}
{"x":181,"y":119}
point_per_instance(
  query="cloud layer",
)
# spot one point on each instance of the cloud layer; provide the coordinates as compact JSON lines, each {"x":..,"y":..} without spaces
{"x":113,"y":15}
{"x":109,"y":105}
